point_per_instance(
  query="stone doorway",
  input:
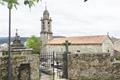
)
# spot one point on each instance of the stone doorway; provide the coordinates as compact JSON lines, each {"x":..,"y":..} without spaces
{"x":24,"y":72}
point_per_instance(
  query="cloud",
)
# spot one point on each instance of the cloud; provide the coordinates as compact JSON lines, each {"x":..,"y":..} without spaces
{"x":70,"y":17}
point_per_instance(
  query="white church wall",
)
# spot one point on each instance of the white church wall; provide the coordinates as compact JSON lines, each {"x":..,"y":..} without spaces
{"x":117,"y":45}
{"x":75,"y":48}
{"x":107,"y":45}
{"x":55,"y":48}
{"x":85,"y":48}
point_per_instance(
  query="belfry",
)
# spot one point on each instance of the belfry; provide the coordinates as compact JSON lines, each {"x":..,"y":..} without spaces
{"x":46,"y":31}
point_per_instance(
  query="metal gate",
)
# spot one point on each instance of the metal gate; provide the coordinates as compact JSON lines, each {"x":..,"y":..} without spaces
{"x":55,"y":63}
{"x":52,"y":64}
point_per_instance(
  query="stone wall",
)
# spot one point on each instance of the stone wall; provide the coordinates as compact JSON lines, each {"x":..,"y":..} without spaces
{"x":92,"y":66}
{"x":23,"y":67}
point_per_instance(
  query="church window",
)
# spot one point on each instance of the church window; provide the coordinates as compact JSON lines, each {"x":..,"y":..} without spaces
{"x":48,"y":22}
{"x":76,"y":55}
{"x":78,"y":50}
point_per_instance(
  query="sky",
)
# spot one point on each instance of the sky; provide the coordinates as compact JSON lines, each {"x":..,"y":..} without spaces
{"x":69,"y":18}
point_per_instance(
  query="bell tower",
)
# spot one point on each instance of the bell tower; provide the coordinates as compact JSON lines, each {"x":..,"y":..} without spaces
{"x":46,"y":31}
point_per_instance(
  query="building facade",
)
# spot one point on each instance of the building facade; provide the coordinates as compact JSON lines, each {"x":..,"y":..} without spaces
{"x":82,"y":44}
{"x":79,"y":44}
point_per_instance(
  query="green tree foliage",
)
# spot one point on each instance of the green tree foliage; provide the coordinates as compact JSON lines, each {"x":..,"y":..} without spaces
{"x":14,"y":3}
{"x":34,"y":43}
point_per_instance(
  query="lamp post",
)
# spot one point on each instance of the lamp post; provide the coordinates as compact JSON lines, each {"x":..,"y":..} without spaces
{"x":9,"y":49}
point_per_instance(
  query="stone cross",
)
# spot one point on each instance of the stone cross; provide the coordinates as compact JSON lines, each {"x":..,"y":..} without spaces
{"x":66,"y":46}
{"x":65,"y":60}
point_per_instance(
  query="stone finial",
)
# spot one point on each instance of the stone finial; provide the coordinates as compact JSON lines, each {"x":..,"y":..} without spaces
{"x":16,"y":32}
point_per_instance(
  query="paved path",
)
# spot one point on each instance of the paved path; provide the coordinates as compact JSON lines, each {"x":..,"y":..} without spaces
{"x":48,"y":77}
{"x":45,"y":76}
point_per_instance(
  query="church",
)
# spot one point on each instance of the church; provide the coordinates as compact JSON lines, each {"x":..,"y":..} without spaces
{"x":79,"y":44}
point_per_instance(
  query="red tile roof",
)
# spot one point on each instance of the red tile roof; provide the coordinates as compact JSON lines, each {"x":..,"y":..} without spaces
{"x":79,"y":40}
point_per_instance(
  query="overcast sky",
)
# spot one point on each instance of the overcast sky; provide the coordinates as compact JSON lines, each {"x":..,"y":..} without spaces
{"x":69,"y":18}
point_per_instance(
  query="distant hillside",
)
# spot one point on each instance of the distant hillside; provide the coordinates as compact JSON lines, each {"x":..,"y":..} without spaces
{"x":5,"y":39}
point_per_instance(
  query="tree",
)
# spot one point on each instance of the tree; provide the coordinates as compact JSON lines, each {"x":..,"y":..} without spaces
{"x":34,"y":43}
{"x":14,"y":3}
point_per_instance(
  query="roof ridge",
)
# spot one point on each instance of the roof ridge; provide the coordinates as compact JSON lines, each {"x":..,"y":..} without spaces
{"x":88,"y":36}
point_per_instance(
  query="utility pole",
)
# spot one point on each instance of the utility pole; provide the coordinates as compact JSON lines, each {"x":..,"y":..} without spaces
{"x":65,"y":58}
